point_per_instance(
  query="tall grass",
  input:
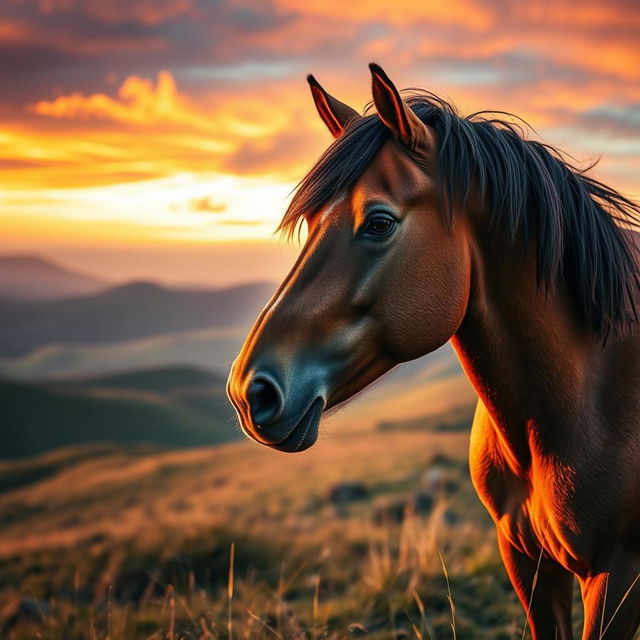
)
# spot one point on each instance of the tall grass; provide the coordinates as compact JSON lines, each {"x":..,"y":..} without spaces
{"x":230,"y":545}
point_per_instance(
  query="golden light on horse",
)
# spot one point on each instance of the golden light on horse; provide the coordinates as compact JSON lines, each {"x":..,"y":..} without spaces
{"x":423,"y":227}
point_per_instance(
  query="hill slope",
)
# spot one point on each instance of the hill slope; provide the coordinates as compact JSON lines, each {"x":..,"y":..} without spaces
{"x":146,"y":406}
{"x":155,"y":380}
{"x":208,"y":348}
{"x":138,"y":545}
{"x":27,"y":277}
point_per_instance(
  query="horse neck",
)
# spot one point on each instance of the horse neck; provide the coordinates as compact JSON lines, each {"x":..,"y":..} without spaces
{"x":523,"y":347}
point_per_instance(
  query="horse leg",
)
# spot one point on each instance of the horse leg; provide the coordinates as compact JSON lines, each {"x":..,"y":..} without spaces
{"x":545,"y":590}
{"x":612,"y":602}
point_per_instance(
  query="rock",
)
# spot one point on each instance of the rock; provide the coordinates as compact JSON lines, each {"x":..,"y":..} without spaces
{"x":348,"y":492}
{"x":34,"y":610}
{"x":23,"y":610}
{"x":423,"y":503}
{"x":391,"y":511}
{"x":437,"y":480}
{"x":450,"y":518}
{"x":434,"y":478}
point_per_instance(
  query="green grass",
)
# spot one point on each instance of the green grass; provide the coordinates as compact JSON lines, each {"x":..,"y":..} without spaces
{"x":176,"y":407}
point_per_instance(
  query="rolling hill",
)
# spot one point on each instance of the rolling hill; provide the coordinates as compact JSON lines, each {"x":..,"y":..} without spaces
{"x":128,"y":312}
{"x":174,"y":407}
{"x":207,"y":348}
{"x":157,"y":380}
{"x":28,"y":277}
{"x":133,"y":544}
{"x":170,"y":350}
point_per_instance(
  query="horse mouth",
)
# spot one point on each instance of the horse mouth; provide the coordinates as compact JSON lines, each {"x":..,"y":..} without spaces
{"x":305,"y":433}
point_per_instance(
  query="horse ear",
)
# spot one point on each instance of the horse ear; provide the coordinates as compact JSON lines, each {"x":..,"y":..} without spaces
{"x":397,"y":114}
{"x":335,"y":114}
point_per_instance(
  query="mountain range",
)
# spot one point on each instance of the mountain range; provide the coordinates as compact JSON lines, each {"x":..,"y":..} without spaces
{"x":30,"y":277}
{"x":143,"y":362}
{"x":126,"y":312}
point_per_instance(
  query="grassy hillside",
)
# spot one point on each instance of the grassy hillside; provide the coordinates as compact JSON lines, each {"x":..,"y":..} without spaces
{"x":349,"y":539}
{"x":175,"y":407}
{"x":159,"y":380}
{"x":339,"y":542}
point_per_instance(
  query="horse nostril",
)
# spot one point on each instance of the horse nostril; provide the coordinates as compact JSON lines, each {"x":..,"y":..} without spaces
{"x":266,"y":399}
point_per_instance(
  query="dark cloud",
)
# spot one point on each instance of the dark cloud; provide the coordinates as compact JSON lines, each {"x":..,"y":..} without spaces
{"x":617,"y":119}
{"x":75,"y":45}
{"x":285,"y":151}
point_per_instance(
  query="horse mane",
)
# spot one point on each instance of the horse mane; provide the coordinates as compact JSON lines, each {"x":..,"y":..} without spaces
{"x":530,"y":191}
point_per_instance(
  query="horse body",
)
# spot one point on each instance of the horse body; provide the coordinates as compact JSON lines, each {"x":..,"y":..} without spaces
{"x":537,"y":289}
{"x":558,"y":466}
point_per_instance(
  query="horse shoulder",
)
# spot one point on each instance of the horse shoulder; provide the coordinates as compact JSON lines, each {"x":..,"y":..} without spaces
{"x":494,"y":472}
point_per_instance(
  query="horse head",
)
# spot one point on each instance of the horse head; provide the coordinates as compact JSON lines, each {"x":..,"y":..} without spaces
{"x":383,"y":277}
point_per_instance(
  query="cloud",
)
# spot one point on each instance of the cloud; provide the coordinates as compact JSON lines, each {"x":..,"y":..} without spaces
{"x":288,"y":148}
{"x":617,"y":119}
{"x":139,"y":102}
{"x":207,"y":205}
{"x":477,"y":15}
{"x":232,"y":222}
{"x":150,"y":12}
{"x":104,"y":94}
{"x":150,"y":129}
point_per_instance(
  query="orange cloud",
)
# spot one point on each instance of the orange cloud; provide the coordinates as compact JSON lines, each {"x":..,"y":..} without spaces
{"x":231,"y":112}
{"x":139,"y":103}
{"x":206,"y":204}
{"x":401,"y":12}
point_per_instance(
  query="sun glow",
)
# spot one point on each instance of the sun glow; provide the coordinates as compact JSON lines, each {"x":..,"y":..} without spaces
{"x":192,"y":207}
{"x":170,"y":130}
{"x":148,"y":163}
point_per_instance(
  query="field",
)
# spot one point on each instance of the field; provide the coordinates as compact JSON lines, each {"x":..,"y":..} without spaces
{"x":350,"y":539}
{"x":115,"y":527}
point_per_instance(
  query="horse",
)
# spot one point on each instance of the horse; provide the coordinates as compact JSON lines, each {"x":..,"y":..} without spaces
{"x":425,"y":226}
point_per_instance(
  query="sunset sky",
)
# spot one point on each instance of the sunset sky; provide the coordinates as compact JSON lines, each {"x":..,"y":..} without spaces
{"x":161,"y":138}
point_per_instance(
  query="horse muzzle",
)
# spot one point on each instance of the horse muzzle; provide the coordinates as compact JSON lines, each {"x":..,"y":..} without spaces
{"x":274,"y":413}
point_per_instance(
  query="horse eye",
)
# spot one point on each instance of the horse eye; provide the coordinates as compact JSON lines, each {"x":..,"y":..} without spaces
{"x":379,"y":225}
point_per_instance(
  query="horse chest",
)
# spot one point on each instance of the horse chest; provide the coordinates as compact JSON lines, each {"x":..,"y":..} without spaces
{"x":547,"y":506}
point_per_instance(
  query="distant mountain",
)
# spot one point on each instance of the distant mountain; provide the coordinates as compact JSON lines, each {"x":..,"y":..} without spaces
{"x":27,"y":277}
{"x":128,"y":312}
{"x":155,"y":380}
{"x":187,"y":406}
{"x":209,"y":348}
{"x":175,"y":407}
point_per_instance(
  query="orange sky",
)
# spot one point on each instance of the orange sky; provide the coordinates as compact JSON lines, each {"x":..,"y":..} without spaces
{"x":134,"y":131}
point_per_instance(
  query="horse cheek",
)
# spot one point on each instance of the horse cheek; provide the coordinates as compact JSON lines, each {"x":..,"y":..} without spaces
{"x":426,"y":306}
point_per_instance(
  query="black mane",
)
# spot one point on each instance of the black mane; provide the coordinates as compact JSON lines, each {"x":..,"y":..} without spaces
{"x":530,"y":192}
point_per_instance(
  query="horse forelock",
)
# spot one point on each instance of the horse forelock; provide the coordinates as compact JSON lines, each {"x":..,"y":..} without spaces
{"x":531,"y":193}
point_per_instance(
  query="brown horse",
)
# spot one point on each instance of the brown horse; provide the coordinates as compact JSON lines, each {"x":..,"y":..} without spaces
{"x":424,"y":226}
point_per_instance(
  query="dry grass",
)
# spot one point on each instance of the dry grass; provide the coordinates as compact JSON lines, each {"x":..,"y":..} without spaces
{"x":239,"y":542}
